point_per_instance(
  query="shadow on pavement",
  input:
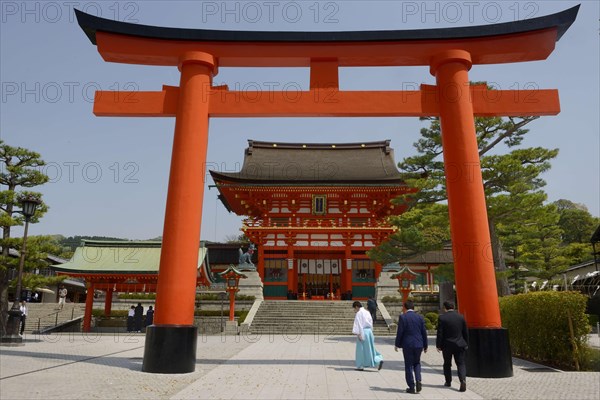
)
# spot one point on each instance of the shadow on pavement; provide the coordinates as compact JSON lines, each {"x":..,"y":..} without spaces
{"x":133,"y":363}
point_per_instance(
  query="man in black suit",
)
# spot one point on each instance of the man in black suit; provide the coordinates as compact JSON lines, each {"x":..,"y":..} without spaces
{"x":138,"y":314}
{"x":453,"y":340}
{"x":412,"y":338}
{"x":372,"y":307}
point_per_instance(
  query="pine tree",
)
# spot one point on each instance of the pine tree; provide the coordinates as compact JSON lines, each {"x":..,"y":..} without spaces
{"x":19,"y":169}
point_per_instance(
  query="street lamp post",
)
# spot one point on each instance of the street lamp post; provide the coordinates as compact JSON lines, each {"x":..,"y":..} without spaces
{"x":28,"y":207}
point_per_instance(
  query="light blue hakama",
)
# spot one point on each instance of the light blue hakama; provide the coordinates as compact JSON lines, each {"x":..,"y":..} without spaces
{"x":366,"y":354}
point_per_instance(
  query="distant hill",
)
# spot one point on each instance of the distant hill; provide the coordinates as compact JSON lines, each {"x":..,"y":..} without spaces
{"x":72,"y":242}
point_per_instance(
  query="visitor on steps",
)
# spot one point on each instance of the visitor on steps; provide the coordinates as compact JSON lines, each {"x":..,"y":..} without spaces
{"x":62,"y":296}
{"x":130,"y":316}
{"x":23,"y":309}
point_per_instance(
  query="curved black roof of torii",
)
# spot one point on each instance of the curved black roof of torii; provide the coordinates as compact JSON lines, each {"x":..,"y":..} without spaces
{"x":92,"y":24}
{"x":276,"y":163}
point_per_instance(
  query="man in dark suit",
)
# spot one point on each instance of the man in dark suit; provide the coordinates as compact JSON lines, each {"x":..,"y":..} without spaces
{"x":372,"y":307}
{"x":453,"y":340}
{"x":138,"y":315}
{"x":412,"y":338}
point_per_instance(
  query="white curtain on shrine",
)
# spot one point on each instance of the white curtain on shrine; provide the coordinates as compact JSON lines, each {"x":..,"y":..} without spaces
{"x":319,"y":267}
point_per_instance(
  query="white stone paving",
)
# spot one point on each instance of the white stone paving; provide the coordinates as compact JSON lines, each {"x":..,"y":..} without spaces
{"x":312,"y":369}
{"x":74,"y":366}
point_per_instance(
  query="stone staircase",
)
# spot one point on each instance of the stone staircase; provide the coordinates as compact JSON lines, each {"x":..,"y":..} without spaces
{"x":46,"y":315}
{"x":293,"y":317}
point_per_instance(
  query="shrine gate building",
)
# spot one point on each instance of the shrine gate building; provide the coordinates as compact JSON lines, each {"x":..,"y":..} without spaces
{"x":313,"y":210}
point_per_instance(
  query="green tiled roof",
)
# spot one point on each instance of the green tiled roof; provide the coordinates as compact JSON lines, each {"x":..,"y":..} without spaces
{"x":141,"y":257}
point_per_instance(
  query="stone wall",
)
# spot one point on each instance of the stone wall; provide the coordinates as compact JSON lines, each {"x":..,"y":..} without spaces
{"x":206,"y":325}
{"x":215,"y":305}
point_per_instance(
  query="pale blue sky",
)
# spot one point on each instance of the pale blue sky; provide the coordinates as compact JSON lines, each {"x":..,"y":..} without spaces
{"x":109,"y":175}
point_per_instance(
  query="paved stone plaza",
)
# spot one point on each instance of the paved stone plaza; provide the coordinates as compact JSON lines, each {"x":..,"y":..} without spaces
{"x":74,"y":366}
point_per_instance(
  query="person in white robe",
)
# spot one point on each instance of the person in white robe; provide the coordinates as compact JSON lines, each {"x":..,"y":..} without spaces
{"x":366,"y":354}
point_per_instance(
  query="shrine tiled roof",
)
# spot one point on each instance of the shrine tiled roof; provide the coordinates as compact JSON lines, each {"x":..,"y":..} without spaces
{"x":226,"y":253}
{"x":118,"y":257}
{"x":315,"y":163}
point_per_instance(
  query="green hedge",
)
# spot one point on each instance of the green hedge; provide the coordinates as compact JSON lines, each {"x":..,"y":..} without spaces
{"x":538,"y":326}
{"x":421,"y":298}
{"x":391,"y":299}
{"x":394,"y":299}
{"x":97,"y":312}
{"x":433,"y":319}
{"x":242,"y":315}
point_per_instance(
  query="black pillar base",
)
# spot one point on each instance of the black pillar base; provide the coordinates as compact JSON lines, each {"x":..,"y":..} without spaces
{"x":13,"y":325}
{"x":489,"y":353}
{"x":12,"y":340}
{"x":170,"y":349}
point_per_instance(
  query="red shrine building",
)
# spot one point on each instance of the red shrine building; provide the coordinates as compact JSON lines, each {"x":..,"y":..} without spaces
{"x":313,"y":210}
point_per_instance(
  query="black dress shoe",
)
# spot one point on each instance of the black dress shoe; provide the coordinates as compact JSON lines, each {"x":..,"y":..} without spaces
{"x":412,"y":391}
{"x":447,"y":384}
{"x":380,"y":365}
{"x":463,"y":386}
{"x":419,"y":386}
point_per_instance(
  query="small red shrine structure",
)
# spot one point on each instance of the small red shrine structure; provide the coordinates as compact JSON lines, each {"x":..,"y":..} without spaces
{"x":121,"y":267}
{"x":314,"y":210}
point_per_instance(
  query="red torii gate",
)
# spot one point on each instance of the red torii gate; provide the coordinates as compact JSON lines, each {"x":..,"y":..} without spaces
{"x":449,"y":52}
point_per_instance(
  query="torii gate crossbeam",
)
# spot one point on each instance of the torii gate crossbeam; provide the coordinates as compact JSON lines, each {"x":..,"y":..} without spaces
{"x":449,"y":53}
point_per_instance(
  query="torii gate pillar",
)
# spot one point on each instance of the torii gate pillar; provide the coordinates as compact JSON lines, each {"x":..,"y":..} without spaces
{"x":471,"y":244}
{"x":173,"y":332}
